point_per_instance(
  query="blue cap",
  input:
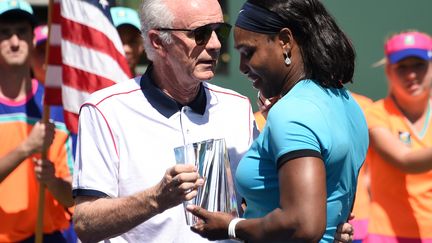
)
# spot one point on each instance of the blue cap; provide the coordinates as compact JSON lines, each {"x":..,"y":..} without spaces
{"x":122,"y":15}
{"x":409,"y":44}
{"x":18,"y":7}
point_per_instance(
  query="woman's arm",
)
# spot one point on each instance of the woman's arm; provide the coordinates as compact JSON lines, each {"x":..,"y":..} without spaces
{"x":302,"y":212}
{"x":301,"y":216}
{"x":398,"y":154}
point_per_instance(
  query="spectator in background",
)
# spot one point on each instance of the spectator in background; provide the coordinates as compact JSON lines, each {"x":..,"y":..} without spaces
{"x":259,"y":119}
{"x":38,"y":57}
{"x":362,"y":199}
{"x":22,"y":138}
{"x":128,"y":25}
{"x":400,"y":131}
{"x":264,"y":106}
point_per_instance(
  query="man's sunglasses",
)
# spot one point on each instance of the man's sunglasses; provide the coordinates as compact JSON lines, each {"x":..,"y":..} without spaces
{"x":203,"y":33}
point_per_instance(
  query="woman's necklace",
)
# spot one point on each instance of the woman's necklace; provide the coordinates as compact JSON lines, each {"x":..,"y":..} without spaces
{"x":426,"y":121}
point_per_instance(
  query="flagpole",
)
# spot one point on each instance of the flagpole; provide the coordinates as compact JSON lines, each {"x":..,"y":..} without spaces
{"x":45,"y":120}
{"x":42,"y":187}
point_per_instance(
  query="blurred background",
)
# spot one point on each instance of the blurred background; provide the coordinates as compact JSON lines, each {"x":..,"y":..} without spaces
{"x":367,"y":22}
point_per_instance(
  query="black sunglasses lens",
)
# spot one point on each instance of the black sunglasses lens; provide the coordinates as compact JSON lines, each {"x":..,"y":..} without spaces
{"x":222,"y":32}
{"x":203,"y":33}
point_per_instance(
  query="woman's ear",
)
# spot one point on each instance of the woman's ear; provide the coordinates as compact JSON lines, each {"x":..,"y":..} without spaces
{"x":286,"y":39}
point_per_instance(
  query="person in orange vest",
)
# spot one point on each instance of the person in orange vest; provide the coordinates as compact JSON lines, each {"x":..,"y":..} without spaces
{"x":38,"y":57}
{"x":362,"y":201}
{"x":23,"y":136}
{"x":401,"y":144}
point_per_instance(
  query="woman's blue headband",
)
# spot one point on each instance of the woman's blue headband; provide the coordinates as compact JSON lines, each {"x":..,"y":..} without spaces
{"x":257,"y":19}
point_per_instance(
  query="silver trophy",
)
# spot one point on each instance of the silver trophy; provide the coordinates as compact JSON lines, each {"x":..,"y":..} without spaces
{"x":212,"y":160}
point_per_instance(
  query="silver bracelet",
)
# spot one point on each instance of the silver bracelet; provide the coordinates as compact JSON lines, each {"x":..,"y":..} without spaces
{"x":231,"y":227}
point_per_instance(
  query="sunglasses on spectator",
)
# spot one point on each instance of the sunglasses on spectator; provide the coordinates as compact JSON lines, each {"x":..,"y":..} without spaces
{"x":203,"y":33}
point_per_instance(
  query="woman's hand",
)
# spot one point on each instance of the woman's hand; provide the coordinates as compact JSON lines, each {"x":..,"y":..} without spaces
{"x":213,"y":226}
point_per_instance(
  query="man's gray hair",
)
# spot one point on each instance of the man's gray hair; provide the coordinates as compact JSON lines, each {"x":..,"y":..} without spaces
{"x":155,"y":14}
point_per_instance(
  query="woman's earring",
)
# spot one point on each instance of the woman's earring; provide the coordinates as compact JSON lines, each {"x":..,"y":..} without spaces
{"x":287,"y":59}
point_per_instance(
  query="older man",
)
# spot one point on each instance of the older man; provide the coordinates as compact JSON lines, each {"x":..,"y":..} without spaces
{"x":127,"y":185}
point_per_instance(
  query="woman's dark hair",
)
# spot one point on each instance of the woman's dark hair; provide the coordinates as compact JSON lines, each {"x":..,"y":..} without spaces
{"x":328,"y":54}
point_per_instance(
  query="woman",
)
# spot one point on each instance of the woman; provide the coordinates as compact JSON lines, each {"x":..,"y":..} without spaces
{"x":299,"y":176}
{"x":401,"y":140}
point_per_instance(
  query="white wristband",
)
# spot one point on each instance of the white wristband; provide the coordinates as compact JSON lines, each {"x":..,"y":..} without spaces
{"x":231,"y":227}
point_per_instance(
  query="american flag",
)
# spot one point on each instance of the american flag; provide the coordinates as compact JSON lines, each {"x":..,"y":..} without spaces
{"x":85,"y":55}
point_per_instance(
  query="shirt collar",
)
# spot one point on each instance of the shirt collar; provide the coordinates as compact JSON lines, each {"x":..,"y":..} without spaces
{"x":166,"y":105}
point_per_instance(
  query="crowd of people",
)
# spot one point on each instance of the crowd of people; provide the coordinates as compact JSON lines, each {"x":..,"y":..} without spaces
{"x":316,"y":163}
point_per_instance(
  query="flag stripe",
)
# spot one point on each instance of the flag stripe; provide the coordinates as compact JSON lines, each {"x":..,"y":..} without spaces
{"x":79,"y":98}
{"x":55,"y":55}
{"x":87,"y":14}
{"x":54,"y":77}
{"x":86,"y":55}
{"x":93,"y":81}
{"x":55,"y":35}
{"x":71,"y":119}
{"x":53,"y":94}
{"x":56,"y":13}
{"x":92,"y":61}
{"x":93,"y":39}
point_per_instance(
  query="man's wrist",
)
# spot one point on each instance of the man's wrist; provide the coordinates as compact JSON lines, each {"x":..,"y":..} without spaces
{"x":25,"y":150}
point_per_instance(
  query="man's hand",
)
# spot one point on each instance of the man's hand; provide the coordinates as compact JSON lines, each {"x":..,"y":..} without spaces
{"x":44,"y":171}
{"x":41,"y":136}
{"x":180,"y":183}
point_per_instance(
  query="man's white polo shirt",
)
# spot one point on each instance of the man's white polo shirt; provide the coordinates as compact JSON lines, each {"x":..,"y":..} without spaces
{"x":127,"y":133}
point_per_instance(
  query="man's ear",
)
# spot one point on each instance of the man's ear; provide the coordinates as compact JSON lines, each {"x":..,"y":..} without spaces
{"x":156,"y":41}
